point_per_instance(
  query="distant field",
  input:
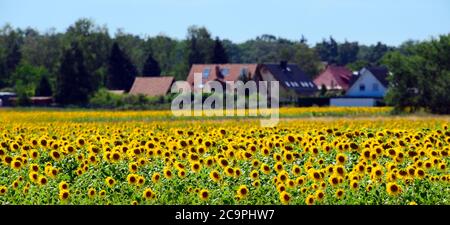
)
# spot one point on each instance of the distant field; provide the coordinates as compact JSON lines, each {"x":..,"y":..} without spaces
{"x":83,"y":115}
{"x":148,"y":157}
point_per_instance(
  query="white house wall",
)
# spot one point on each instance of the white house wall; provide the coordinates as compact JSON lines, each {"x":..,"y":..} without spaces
{"x":352,"y":102}
{"x":368,"y":80}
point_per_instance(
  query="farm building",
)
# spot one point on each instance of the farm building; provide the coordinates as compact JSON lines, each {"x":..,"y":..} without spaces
{"x":366,"y":88}
{"x":152,"y":86}
{"x":334,"y":79}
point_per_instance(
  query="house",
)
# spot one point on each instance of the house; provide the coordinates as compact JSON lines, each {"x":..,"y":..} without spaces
{"x":367,"y":87}
{"x":5,"y":98}
{"x":222,"y":73}
{"x":152,"y":86}
{"x":334,"y":78}
{"x":293,"y":82}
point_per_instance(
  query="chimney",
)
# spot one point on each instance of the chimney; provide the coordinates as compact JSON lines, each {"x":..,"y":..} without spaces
{"x":283,"y":64}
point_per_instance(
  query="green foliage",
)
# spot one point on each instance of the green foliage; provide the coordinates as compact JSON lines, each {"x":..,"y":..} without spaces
{"x":421,"y":79}
{"x":105,"y":99}
{"x":307,"y":59}
{"x":220,"y":55}
{"x":74,"y":83}
{"x":44,"y":88}
{"x":121,"y":71}
{"x":357,"y":65}
{"x":25,"y":79}
{"x":151,"y":67}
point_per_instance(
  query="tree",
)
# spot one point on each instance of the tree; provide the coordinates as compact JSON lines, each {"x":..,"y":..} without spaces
{"x":74,"y":83}
{"x":201,"y":44}
{"x":13,"y":58}
{"x":348,"y":52}
{"x":377,"y":52}
{"x":151,"y":67}
{"x":307,"y":59}
{"x":220,"y":56}
{"x":194,"y":56}
{"x":95,"y":44}
{"x":44,"y":88}
{"x":24,"y":79}
{"x":421,"y":78}
{"x":121,"y":71}
{"x":328,"y":50}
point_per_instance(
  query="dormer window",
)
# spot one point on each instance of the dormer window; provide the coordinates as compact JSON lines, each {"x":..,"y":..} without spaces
{"x":225,"y":71}
{"x":206,"y":72}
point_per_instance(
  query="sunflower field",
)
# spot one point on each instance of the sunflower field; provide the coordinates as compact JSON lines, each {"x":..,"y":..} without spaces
{"x":91,"y":157}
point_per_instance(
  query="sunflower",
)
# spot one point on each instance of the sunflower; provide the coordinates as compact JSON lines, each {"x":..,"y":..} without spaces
{"x":229,"y":171}
{"x":290,"y":183}
{"x":265,"y":168}
{"x":102,"y":193}
{"x":296,"y":170}
{"x":354,"y":185}
{"x":393,"y":189}
{"x":300,"y":180}
{"x":254,"y":175}
{"x":115,"y":156}
{"x":3,"y":190}
{"x":319,"y":195}
{"x":420,"y":173}
{"x":16,"y":164}
{"x":132,"y":179}
{"x":196,"y":167}
{"x":285,"y":198}
{"x":310,"y":200}
{"x":181,"y":173}
{"x":341,"y":158}
{"x":256,"y":183}
{"x":63,"y":185}
{"x":148,"y":194}
{"x":156,"y":177}
{"x":215,"y":176}
{"x":42,"y":180}
{"x":64,"y":195}
{"x":91,"y":192}
{"x":242,"y":191}
{"x":339,"y":193}
{"x":203,"y":194}
{"x":55,"y":155}
{"x":278,"y":167}
{"x":223,"y":162}
{"x":110,"y":181}
{"x":168,"y":173}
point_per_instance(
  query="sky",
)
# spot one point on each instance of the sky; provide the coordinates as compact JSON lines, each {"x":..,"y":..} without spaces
{"x":365,"y":21}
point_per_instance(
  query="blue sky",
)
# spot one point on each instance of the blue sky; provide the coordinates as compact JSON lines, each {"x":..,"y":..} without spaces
{"x":366,"y":21}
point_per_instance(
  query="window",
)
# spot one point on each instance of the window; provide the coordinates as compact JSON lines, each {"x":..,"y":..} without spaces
{"x":362,"y":87}
{"x":225,"y":71}
{"x":287,"y":83}
{"x":311,"y":84}
{"x":375,"y":87}
{"x":295,"y":84}
{"x":206,"y":72}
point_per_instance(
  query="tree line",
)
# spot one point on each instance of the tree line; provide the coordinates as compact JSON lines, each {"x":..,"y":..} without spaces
{"x":73,"y":65}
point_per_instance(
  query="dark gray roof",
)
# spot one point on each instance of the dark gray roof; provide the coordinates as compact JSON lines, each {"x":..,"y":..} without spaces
{"x":381,"y":73}
{"x":292,"y":77}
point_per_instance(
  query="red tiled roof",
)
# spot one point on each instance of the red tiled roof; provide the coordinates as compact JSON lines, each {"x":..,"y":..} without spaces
{"x":152,"y":86}
{"x":334,"y":77}
{"x":234,"y":71}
